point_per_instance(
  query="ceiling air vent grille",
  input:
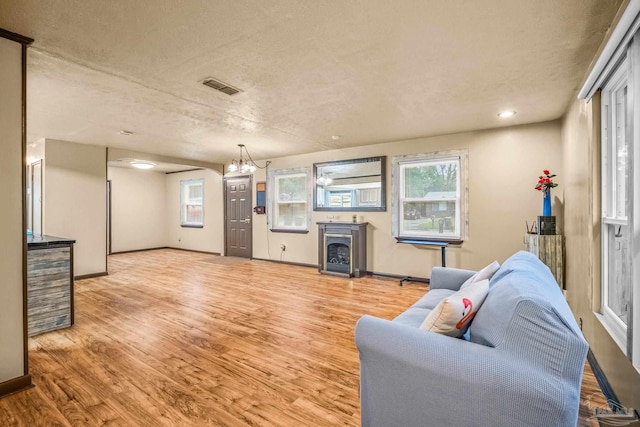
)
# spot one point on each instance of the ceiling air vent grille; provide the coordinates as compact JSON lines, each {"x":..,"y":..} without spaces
{"x":220,"y":86}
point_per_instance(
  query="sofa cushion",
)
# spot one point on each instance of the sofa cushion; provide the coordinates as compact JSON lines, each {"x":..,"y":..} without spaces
{"x":484,"y":274}
{"x":413,"y":316}
{"x":433,"y":298}
{"x":453,"y":314}
{"x":522,"y":291}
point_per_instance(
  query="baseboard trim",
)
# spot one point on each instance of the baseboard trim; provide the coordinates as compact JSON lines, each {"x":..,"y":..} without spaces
{"x":368,"y":273}
{"x":299,"y":264}
{"x":192,"y":250}
{"x":606,"y":388}
{"x":90,"y":276}
{"x":402,"y":278}
{"x":138,"y":250}
{"x":15,"y":385}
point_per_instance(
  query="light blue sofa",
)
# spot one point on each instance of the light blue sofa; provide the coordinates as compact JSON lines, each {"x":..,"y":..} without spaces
{"x":521,"y":365}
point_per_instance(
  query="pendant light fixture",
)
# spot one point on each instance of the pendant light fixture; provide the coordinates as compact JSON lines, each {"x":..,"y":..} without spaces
{"x":324,"y":180}
{"x":245,"y":164}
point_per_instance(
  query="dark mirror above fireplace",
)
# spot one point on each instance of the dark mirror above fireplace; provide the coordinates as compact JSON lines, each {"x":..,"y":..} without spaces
{"x":350,"y":185}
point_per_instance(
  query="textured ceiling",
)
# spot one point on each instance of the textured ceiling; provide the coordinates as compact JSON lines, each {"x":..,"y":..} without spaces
{"x":368,"y":70}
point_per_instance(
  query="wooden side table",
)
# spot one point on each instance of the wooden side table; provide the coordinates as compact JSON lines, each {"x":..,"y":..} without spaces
{"x":550,"y":250}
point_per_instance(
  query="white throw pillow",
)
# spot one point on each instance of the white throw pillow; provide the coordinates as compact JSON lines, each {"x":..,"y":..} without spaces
{"x":453,"y":314}
{"x":486,"y":273}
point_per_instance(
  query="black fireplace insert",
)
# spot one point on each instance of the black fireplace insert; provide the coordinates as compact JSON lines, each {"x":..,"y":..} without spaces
{"x":338,"y":253}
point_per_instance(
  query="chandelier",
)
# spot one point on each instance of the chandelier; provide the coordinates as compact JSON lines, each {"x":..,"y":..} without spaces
{"x":244,"y":163}
{"x":324,"y":180}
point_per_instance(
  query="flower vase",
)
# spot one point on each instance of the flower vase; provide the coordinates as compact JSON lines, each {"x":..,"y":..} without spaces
{"x":546,"y":203}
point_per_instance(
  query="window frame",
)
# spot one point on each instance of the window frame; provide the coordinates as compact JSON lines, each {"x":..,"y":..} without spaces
{"x":274,"y":177}
{"x":185,"y":183}
{"x":623,"y":43}
{"x":462,"y":210}
{"x":610,"y":217}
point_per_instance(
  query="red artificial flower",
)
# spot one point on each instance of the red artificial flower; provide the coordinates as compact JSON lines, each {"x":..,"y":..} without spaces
{"x":545,"y":182}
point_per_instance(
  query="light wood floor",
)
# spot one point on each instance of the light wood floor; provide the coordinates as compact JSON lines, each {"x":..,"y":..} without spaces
{"x":174,"y":338}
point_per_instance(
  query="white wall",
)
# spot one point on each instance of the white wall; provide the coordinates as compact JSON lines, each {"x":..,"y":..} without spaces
{"x":138,"y":209}
{"x":210,"y":238}
{"x":11,"y":215}
{"x":146,"y":211}
{"x":75,"y":179}
{"x":504,"y":165}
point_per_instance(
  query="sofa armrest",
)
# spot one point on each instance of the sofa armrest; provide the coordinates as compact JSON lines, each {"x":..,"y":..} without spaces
{"x":410,"y":377}
{"x":448,"y":278}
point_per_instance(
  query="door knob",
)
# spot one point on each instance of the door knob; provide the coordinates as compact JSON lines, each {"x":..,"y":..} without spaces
{"x":247,"y":220}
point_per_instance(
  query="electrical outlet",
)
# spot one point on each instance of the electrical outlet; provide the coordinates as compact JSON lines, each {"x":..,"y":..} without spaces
{"x":283,"y":247}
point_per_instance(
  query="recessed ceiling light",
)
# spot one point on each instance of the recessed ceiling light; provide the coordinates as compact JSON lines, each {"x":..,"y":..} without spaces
{"x":141,"y":164}
{"x":506,"y":114}
{"x":125,"y":132}
{"x":335,"y":137}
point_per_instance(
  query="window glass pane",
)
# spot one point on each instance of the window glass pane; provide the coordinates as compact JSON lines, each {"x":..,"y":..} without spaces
{"x":195,"y":193}
{"x":292,"y":188}
{"x":430,"y":199}
{"x":620,"y":174}
{"x":194,"y":214}
{"x":289,"y":199}
{"x":433,"y":177}
{"x":191,"y":202}
{"x":619,"y":272}
{"x":292,"y":215}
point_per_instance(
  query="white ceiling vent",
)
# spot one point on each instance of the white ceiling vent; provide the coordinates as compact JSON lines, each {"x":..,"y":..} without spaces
{"x":220,"y":86}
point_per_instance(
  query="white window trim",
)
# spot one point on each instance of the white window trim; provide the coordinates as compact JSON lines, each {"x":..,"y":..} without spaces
{"x":616,"y":328}
{"x":610,"y":326}
{"x":397,"y":186}
{"x":183,"y":221}
{"x":628,"y":62}
{"x":272,"y":199}
{"x":614,"y":49}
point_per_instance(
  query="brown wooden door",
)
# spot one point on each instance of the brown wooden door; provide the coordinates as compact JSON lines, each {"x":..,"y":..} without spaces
{"x":238,"y":216}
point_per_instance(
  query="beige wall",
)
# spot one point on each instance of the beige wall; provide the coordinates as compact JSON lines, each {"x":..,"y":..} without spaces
{"x":581,"y":154}
{"x":146,"y":211}
{"x":11,"y":215}
{"x":75,"y":177}
{"x":210,"y":238}
{"x":138,"y":209}
{"x":503,"y":168}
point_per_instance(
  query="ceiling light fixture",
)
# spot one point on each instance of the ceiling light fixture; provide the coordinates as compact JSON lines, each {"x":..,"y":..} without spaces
{"x":245,"y":165}
{"x":506,"y":114}
{"x":324,"y":180}
{"x":125,"y":132}
{"x":142,"y":164}
{"x":335,"y":137}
